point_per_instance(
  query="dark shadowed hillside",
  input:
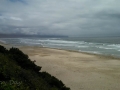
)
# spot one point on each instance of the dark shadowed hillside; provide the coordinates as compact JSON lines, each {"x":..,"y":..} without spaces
{"x":18,"y":72}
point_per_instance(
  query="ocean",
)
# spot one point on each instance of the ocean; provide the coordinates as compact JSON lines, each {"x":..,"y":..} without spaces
{"x":95,"y":45}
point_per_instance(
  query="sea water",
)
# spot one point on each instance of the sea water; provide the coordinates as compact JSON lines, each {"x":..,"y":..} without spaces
{"x":96,"y":45}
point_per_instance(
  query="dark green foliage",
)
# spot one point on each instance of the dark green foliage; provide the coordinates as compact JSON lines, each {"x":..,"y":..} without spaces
{"x":3,"y":50}
{"x":23,"y":60}
{"x":15,"y":66}
{"x":52,"y":81}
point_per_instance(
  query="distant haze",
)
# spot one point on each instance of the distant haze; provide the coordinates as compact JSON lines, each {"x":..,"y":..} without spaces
{"x":60,"y":17}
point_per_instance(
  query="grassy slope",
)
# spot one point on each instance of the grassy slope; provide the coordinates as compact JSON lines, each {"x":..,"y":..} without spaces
{"x":18,"y":72}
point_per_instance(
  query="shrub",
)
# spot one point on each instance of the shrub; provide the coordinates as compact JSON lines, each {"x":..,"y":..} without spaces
{"x":23,"y":60}
{"x":3,"y":50}
{"x":16,"y":66}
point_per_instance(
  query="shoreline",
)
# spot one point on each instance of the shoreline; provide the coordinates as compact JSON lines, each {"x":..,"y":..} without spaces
{"x":97,"y":54}
{"x":77,"y":70}
{"x":106,"y":56}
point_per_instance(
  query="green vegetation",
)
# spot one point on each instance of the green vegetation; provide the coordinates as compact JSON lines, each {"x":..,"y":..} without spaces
{"x":18,"y":72}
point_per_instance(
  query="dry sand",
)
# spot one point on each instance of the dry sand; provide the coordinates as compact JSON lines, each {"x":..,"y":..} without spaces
{"x":79,"y":71}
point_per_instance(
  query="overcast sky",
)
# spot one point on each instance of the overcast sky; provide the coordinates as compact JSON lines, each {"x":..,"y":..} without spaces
{"x":60,"y":17}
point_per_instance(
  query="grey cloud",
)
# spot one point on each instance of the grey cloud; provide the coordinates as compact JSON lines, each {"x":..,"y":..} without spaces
{"x":66,"y":17}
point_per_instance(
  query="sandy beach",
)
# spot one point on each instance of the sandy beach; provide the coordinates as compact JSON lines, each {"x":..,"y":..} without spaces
{"x":79,"y":71}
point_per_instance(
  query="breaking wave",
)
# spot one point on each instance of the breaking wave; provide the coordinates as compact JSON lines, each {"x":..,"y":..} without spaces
{"x":78,"y":45}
